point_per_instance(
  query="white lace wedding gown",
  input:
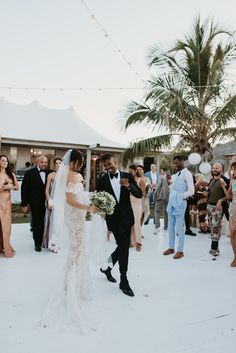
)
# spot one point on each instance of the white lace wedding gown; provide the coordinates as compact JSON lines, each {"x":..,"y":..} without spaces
{"x":67,"y":308}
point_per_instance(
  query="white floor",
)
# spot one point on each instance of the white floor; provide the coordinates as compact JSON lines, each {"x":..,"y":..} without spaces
{"x":185,"y":305}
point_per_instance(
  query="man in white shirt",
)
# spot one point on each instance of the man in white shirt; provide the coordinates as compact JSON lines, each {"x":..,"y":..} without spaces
{"x":152,"y":175}
{"x":183,"y":187}
{"x":120,"y":185}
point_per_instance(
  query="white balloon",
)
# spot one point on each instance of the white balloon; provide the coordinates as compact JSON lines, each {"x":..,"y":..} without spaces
{"x":194,"y":158}
{"x":205,"y":168}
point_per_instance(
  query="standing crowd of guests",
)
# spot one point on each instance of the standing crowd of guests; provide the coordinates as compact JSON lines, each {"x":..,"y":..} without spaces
{"x":174,"y":197}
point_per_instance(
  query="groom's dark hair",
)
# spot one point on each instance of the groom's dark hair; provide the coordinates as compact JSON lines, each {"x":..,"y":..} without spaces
{"x":106,"y":157}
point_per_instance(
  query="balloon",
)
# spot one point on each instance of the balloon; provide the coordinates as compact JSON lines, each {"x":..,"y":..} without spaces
{"x":205,"y":168}
{"x":194,"y":158}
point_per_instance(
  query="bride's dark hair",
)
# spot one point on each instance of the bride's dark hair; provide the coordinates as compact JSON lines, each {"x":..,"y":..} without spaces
{"x":76,"y":156}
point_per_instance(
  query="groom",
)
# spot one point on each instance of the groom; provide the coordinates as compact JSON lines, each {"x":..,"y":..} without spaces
{"x":119,"y":185}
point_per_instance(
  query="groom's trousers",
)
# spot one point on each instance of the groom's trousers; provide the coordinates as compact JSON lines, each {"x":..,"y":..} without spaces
{"x":121,"y":254}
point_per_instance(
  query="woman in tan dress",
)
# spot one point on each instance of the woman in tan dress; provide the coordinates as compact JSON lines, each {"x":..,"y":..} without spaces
{"x":48,"y":190}
{"x":8,"y":182}
{"x":136,"y":230}
{"x":145,"y":198}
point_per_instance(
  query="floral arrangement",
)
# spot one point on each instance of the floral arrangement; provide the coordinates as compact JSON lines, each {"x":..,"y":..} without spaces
{"x":104,"y":201}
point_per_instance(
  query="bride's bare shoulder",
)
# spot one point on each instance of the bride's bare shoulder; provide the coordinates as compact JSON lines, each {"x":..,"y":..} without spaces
{"x":72,"y":177}
{"x":80,"y":178}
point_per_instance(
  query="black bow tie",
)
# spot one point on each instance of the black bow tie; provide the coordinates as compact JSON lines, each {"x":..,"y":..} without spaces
{"x":112,"y":175}
{"x":41,"y":171}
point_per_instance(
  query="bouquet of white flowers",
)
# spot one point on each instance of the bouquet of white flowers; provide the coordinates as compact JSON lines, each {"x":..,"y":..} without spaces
{"x":104,"y":201}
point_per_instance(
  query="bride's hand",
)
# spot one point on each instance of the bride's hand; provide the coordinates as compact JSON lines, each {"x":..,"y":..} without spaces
{"x":92,"y":209}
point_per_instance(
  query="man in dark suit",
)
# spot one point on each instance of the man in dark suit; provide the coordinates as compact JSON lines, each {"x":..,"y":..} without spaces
{"x":33,"y":197}
{"x":119,"y":185}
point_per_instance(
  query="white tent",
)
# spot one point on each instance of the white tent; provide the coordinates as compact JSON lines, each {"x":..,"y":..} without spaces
{"x":38,"y":123}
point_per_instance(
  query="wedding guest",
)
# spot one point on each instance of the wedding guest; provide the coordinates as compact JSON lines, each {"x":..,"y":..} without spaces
{"x":33,"y":197}
{"x":182,"y":188}
{"x":228,"y":174}
{"x":217,"y":206}
{"x":48,"y":189}
{"x":136,"y":203}
{"x":119,"y":184}
{"x":225,"y":229}
{"x":145,"y":196}
{"x":8,"y":182}
{"x":27,"y":165}
{"x":152,"y":175}
{"x":190,"y":216}
{"x":200,"y":186}
{"x":161,"y":197}
{"x":232,"y":219}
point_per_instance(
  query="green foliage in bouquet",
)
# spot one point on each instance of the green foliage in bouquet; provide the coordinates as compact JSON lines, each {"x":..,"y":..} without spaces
{"x":104,"y":201}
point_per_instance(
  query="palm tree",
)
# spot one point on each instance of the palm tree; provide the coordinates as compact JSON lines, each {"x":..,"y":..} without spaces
{"x":188,"y":96}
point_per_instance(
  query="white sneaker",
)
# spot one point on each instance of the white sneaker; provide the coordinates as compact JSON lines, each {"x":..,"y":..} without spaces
{"x":157,"y":230}
{"x":208,"y":257}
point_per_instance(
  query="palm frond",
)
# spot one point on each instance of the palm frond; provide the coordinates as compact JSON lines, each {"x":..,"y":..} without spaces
{"x":219,"y":135}
{"x":172,"y":93}
{"x":225,"y":114}
{"x":143,"y":147}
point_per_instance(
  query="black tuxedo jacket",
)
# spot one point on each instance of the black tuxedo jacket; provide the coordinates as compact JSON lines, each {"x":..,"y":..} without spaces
{"x":33,"y":188}
{"x":123,"y":213}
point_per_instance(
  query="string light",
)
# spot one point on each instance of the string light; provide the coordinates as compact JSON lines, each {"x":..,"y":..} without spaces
{"x":62,"y":89}
{"x":106,"y":35}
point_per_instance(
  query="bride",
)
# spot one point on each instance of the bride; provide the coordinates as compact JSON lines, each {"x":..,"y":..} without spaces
{"x":65,"y":309}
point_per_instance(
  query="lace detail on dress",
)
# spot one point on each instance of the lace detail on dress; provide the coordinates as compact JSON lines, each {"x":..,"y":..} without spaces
{"x":75,"y":188}
{"x":67,"y":309}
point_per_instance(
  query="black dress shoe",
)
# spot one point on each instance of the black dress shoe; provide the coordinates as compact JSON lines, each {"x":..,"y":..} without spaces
{"x":127,"y":290}
{"x":190,"y":232}
{"x":107,"y":272}
{"x":37,"y":248}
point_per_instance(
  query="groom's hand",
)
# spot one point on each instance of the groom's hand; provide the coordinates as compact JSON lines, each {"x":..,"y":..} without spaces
{"x":25,"y":210}
{"x":124,"y":182}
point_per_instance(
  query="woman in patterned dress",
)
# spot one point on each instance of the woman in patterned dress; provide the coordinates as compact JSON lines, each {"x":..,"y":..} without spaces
{"x":232,"y":219}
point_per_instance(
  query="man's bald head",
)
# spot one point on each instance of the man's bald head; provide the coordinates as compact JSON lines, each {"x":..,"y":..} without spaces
{"x":42,"y":162}
{"x":217,"y":169}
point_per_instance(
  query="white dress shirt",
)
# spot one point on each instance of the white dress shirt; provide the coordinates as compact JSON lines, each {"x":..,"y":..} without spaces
{"x":153,"y":178}
{"x":115,"y":183}
{"x":42,"y":175}
{"x":189,"y":181}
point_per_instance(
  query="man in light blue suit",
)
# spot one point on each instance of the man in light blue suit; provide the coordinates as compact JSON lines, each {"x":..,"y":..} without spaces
{"x":183,"y":187}
{"x":152,"y":175}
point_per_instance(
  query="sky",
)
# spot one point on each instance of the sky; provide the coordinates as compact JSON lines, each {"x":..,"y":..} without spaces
{"x":57,"y":43}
